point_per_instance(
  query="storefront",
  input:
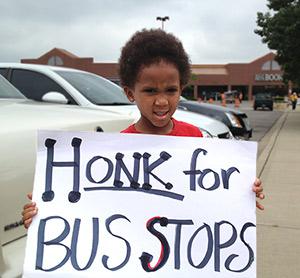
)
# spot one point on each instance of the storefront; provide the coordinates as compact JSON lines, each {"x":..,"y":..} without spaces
{"x":259,"y":76}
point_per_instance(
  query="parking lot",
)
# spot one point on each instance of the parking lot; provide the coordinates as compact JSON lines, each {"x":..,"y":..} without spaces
{"x":261,"y":120}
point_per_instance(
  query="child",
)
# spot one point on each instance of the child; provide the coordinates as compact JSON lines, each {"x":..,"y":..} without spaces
{"x":154,"y":68}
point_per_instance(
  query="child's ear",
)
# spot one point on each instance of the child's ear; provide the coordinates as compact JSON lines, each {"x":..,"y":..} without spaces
{"x":129,"y":94}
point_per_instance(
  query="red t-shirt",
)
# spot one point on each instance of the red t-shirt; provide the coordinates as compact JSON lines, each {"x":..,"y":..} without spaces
{"x":179,"y":129}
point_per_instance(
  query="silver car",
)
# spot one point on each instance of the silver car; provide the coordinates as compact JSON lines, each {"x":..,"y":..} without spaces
{"x":75,"y":87}
{"x":20,"y":119}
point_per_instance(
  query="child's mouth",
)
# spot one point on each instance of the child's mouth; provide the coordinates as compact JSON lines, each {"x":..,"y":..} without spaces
{"x":162,"y":114}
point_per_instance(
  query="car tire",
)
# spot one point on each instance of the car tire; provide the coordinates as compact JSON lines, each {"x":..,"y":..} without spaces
{"x":255,"y":108}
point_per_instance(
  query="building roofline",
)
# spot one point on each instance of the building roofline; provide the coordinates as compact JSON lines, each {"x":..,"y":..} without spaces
{"x":263,"y":56}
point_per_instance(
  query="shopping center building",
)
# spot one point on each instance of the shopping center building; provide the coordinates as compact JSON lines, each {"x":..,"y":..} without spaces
{"x":259,"y":76}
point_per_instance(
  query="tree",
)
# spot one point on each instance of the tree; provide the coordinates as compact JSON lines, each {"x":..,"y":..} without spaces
{"x":280,"y":30}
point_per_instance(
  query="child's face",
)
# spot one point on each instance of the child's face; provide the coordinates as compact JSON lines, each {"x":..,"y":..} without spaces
{"x":156,"y":93}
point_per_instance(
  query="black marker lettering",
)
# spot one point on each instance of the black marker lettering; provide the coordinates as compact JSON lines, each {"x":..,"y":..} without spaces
{"x":146,"y":258}
{"x":164,"y":156}
{"x":75,"y":240}
{"x":251,"y":253}
{"x":216,"y":183}
{"x":120,"y":165}
{"x":193,"y":172}
{"x":109,"y":172}
{"x":226,"y":175}
{"x":56,"y":241}
{"x":209,"y":249}
{"x":74,"y":195}
{"x":128,"y":252}
{"x":218,"y":245}
{"x":178,"y":224}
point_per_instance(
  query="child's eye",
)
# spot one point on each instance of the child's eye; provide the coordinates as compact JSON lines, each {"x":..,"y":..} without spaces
{"x":150,"y":90}
{"x":172,"y":90}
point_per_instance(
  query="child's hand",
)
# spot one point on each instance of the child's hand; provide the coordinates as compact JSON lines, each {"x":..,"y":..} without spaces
{"x":258,"y":189}
{"x":29,"y":211}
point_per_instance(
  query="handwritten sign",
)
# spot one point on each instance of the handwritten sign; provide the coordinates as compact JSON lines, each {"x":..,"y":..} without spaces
{"x":130,"y":205}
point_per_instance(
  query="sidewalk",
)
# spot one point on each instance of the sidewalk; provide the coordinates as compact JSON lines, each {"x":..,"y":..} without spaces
{"x":278,"y":227}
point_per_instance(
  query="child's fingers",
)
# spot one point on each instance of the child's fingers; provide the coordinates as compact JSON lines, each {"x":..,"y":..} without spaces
{"x":28,"y":214}
{"x":29,"y":205}
{"x":261,"y":196}
{"x":29,"y":210}
{"x":27,"y":223}
{"x":257,"y":189}
{"x":257,"y":186}
{"x":257,"y":182}
{"x":259,"y":206}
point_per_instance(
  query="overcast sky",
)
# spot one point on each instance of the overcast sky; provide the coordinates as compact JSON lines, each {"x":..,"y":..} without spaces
{"x":212,"y":31}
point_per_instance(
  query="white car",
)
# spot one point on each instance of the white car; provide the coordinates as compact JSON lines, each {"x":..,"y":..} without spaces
{"x":74,"y":87}
{"x":20,"y":119}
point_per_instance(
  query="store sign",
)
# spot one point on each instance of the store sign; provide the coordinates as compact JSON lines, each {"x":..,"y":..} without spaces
{"x":140,"y":206}
{"x":268,"y":77}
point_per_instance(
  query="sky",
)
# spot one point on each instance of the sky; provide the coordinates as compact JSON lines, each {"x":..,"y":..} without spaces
{"x":212,"y":31}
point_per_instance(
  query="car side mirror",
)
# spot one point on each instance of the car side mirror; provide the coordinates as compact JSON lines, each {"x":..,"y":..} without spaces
{"x":55,"y":97}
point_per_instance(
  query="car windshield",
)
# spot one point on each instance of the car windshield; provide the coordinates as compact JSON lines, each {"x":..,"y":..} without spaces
{"x":95,"y":88}
{"x":261,"y":96}
{"x":8,"y":91}
{"x":182,"y":98}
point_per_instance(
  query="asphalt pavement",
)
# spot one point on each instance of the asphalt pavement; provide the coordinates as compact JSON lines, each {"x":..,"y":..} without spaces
{"x":278,"y":226}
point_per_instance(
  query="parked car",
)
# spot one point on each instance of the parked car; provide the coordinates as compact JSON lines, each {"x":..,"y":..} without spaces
{"x":20,"y":119}
{"x":263,"y":101}
{"x":75,"y":87}
{"x":236,"y":120}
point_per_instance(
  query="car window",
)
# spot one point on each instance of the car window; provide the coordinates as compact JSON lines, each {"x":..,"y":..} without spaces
{"x":95,"y":88}
{"x":8,"y":91}
{"x":34,"y":84}
{"x":3,"y":71}
{"x":263,"y":96}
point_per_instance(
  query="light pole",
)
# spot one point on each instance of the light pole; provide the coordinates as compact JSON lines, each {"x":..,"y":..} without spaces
{"x":163,"y":19}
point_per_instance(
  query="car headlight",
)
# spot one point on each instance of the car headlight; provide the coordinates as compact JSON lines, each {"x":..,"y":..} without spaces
{"x":206,"y":134}
{"x":233,"y":120}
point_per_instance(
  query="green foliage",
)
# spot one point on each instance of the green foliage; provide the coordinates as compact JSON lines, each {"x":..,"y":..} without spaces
{"x":194,"y":77}
{"x":188,"y":92}
{"x":276,"y":5}
{"x":280,"y":30}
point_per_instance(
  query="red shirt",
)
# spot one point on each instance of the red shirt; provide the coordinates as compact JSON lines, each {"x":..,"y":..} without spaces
{"x":179,"y":129}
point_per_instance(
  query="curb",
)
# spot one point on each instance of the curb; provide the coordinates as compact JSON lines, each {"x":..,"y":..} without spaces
{"x":269,"y":141}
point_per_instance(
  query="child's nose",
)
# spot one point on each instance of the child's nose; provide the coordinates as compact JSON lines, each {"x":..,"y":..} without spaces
{"x":161,"y":100}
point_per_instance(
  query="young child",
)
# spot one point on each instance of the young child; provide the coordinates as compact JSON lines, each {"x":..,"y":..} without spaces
{"x":154,"y":68}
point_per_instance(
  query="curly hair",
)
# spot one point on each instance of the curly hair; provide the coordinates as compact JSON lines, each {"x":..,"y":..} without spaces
{"x":146,"y":47}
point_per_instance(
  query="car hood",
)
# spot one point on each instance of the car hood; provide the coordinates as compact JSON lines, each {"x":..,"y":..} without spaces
{"x":211,"y":106}
{"x":214,"y":127}
{"x":46,"y":115}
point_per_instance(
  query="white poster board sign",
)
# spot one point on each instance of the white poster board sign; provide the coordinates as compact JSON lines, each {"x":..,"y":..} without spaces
{"x":128,"y":205}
